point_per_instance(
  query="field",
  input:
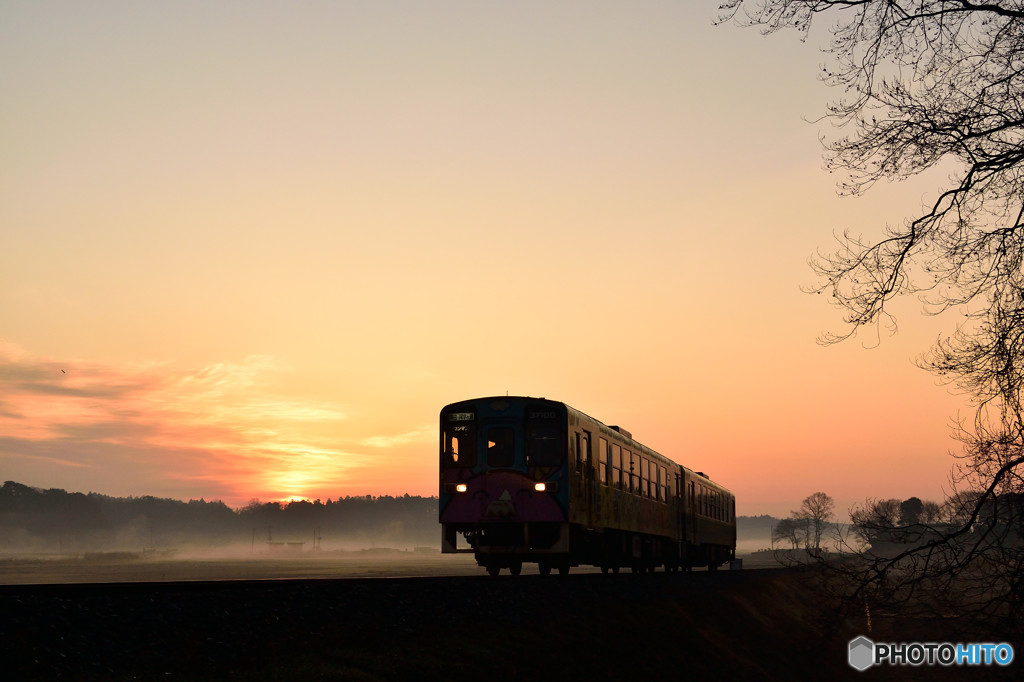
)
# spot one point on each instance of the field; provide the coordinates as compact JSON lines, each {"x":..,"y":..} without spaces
{"x":259,"y":618}
{"x":216,"y":565}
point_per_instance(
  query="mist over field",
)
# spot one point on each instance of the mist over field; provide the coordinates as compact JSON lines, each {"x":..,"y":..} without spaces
{"x":55,"y":520}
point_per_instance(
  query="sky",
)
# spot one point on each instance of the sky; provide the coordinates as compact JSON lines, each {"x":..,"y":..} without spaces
{"x":250,"y":249}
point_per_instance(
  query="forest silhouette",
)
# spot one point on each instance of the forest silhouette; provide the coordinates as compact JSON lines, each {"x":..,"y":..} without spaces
{"x":55,"y":520}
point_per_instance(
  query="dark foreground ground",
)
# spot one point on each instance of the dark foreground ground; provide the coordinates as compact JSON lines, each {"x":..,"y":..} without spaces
{"x":743,"y":625}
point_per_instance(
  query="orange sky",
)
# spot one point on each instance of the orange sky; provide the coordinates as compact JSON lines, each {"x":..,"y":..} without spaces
{"x":266,"y":244}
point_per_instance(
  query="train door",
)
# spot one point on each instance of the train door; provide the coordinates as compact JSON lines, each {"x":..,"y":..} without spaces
{"x":584,"y":454}
{"x":685,"y":497}
{"x":500,"y":445}
{"x":691,"y":513}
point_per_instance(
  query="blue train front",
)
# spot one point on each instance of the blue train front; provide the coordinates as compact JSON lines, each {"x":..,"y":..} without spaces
{"x":504,"y":481}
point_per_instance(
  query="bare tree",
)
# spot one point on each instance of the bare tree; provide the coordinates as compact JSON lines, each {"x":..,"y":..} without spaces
{"x":923,"y":83}
{"x":788,"y":530}
{"x":931,"y":512}
{"x":816,"y":510}
{"x":875,"y":521}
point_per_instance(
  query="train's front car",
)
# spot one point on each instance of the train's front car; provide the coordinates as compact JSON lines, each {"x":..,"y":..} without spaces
{"x":504,"y":482}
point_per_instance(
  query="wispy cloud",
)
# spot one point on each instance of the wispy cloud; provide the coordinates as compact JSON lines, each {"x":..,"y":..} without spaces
{"x":223,"y":428}
{"x":423,"y":434}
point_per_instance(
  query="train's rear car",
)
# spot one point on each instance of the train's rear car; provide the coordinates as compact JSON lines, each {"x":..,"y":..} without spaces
{"x":504,"y":485}
{"x":708,"y":520}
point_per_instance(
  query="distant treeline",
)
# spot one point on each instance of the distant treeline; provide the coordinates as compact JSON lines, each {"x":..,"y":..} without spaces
{"x":54,"y":520}
{"x":51,"y":520}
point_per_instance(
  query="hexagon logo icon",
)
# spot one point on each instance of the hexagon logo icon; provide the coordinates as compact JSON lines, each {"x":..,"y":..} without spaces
{"x":862,"y":653}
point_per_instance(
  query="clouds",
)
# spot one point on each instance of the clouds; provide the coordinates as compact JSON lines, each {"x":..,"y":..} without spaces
{"x":424,"y":434}
{"x":222,"y":430}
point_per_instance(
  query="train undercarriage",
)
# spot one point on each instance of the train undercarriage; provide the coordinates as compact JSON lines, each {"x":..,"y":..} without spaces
{"x":561,"y":546}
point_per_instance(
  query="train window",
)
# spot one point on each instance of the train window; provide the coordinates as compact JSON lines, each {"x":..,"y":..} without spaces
{"x":664,"y":484}
{"x":602,"y":462}
{"x":617,"y":464}
{"x":645,"y":477}
{"x":545,"y":442}
{"x":543,"y":445}
{"x":458,"y":445}
{"x":500,"y":446}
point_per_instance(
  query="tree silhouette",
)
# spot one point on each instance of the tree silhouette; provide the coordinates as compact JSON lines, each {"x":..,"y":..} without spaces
{"x":816,"y":510}
{"x":910,"y":511}
{"x":924,"y":83}
{"x":789,"y":530}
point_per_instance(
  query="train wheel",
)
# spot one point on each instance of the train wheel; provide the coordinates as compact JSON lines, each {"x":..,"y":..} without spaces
{"x":493,"y":569}
{"x":563,"y":569}
{"x":545,"y":569}
{"x":515,"y":568}
{"x":615,"y":569}
{"x":604,"y":569}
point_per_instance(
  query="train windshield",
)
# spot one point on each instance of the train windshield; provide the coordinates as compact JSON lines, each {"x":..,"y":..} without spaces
{"x":501,"y":451}
{"x":544,"y":442}
{"x":458,"y":440}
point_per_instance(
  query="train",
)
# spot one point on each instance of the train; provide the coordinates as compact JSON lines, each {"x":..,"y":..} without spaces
{"x":534,"y":480}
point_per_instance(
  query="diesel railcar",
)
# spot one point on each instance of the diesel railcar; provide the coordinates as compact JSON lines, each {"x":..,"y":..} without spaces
{"x":534,"y":480}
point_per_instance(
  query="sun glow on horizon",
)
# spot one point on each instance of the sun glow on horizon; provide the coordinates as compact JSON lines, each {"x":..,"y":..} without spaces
{"x":224,"y":425}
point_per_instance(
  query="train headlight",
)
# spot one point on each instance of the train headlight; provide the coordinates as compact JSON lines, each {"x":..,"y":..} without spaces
{"x":460,"y":488}
{"x":540,"y":487}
